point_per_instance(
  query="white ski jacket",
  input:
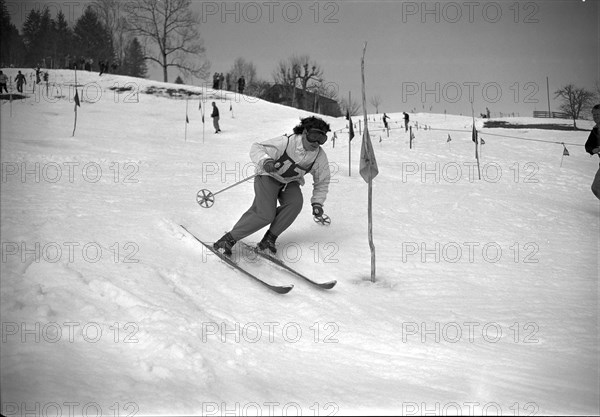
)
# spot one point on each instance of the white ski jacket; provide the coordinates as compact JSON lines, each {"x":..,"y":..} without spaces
{"x":293,"y":162}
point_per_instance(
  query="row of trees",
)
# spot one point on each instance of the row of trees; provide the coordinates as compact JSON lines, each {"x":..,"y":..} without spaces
{"x":126,"y":34}
{"x":50,"y":43}
{"x":166,"y":32}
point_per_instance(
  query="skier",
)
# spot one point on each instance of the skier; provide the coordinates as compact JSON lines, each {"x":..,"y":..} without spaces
{"x":385,"y":123}
{"x":215,"y":117}
{"x":3,"y":82}
{"x":592,"y":146}
{"x":20,"y":79}
{"x":281,"y":164}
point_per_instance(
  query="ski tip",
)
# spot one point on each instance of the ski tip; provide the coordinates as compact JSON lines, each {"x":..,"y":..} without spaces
{"x":328,"y":285}
{"x":283,"y":290}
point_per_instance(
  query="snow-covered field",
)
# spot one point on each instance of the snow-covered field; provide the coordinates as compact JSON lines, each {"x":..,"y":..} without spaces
{"x":486,"y":299}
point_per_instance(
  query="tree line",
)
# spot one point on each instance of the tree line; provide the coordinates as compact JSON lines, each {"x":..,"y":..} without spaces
{"x":49,"y":42}
{"x":122,"y":37}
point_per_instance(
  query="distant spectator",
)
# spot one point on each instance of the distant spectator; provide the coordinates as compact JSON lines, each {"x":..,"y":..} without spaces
{"x":385,"y":123}
{"x":221,"y":81}
{"x":3,"y":82}
{"x":38,"y":79}
{"x":216,"y":81}
{"x":20,"y":79}
{"x":103,"y":67}
{"x":228,"y":82}
{"x":406,"y":119}
{"x":592,"y":146}
{"x":215,"y":117}
{"x":241,"y":84}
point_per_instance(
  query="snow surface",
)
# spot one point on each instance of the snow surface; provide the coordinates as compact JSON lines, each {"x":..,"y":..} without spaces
{"x":486,"y":292}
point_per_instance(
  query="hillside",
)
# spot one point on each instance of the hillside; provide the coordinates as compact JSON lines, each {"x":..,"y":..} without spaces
{"x":486,"y":296}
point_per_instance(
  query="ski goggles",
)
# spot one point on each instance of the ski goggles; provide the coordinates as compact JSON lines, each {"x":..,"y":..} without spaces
{"x":316,"y":135}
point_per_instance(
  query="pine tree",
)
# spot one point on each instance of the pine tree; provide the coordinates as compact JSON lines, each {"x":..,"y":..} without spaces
{"x":134,"y":63}
{"x":12,"y":49}
{"x":92,"y":40}
{"x":32,"y":30}
{"x":63,"y":42}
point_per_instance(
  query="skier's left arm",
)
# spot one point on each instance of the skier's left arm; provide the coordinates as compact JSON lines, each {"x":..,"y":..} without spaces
{"x":322,"y":178}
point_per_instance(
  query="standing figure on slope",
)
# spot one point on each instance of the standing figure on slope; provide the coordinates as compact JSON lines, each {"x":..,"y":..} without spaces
{"x":592,"y":146}
{"x":282,"y":163}
{"x":385,"y":122}
{"x":3,"y":82}
{"x":241,"y":84}
{"x":215,"y":117}
{"x":20,"y":79}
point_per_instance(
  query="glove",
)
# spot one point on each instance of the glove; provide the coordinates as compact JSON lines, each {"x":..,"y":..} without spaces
{"x":269,"y":165}
{"x":317,"y":210}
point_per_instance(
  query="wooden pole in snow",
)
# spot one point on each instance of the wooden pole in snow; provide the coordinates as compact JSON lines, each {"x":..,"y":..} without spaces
{"x":370,"y":192}
{"x":76,"y":103}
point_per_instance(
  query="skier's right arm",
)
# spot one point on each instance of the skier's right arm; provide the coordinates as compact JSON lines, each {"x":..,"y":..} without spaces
{"x":269,"y":149}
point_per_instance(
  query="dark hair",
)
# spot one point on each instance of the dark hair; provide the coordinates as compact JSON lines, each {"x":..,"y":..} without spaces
{"x":312,"y":122}
{"x":596,"y":107}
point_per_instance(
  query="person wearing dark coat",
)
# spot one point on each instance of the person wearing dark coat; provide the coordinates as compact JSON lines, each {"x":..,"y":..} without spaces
{"x":3,"y":82}
{"x":215,"y":117}
{"x":592,"y":146}
{"x":385,"y":123}
{"x":241,"y":84}
{"x":20,"y":79}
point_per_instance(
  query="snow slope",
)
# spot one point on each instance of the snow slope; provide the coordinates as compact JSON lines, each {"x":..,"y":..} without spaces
{"x":486,"y":299}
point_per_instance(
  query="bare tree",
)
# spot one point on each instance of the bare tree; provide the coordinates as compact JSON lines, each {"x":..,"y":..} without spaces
{"x":573,"y":99}
{"x":245,"y":68}
{"x":172,"y":28}
{"x":375,"y":102}
{"x":286,"y":75}
{"x":308,"y":72}
{"x":300,"y":72}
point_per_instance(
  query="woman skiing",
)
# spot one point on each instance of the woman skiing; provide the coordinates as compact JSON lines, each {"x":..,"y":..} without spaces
{"x":281,"y":165}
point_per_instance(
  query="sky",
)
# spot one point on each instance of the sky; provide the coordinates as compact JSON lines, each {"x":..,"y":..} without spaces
{"x":421,"y":56}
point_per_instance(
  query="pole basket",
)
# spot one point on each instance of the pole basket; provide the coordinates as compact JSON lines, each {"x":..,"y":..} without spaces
{"x":323,"y":220}
{"x":205,"y":198}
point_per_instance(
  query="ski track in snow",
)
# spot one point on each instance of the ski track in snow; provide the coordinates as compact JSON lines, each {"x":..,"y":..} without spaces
{"x":160,"y":326}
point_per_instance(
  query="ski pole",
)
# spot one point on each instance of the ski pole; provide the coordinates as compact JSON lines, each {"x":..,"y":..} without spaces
{"x":206,"y":198}
{"x":322,"y":220}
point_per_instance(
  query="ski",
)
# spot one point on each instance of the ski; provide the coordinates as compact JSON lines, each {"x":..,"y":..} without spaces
{"x":280,"y":289}
{"x":324,"y":285}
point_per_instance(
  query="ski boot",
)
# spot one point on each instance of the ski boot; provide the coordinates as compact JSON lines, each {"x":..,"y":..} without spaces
{"x":268,"y":243}
{"x":225,"y":244}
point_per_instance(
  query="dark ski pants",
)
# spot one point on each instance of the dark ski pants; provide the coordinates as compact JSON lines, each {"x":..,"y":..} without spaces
{"x":596,"y":184}
{"x":264,"y":210}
